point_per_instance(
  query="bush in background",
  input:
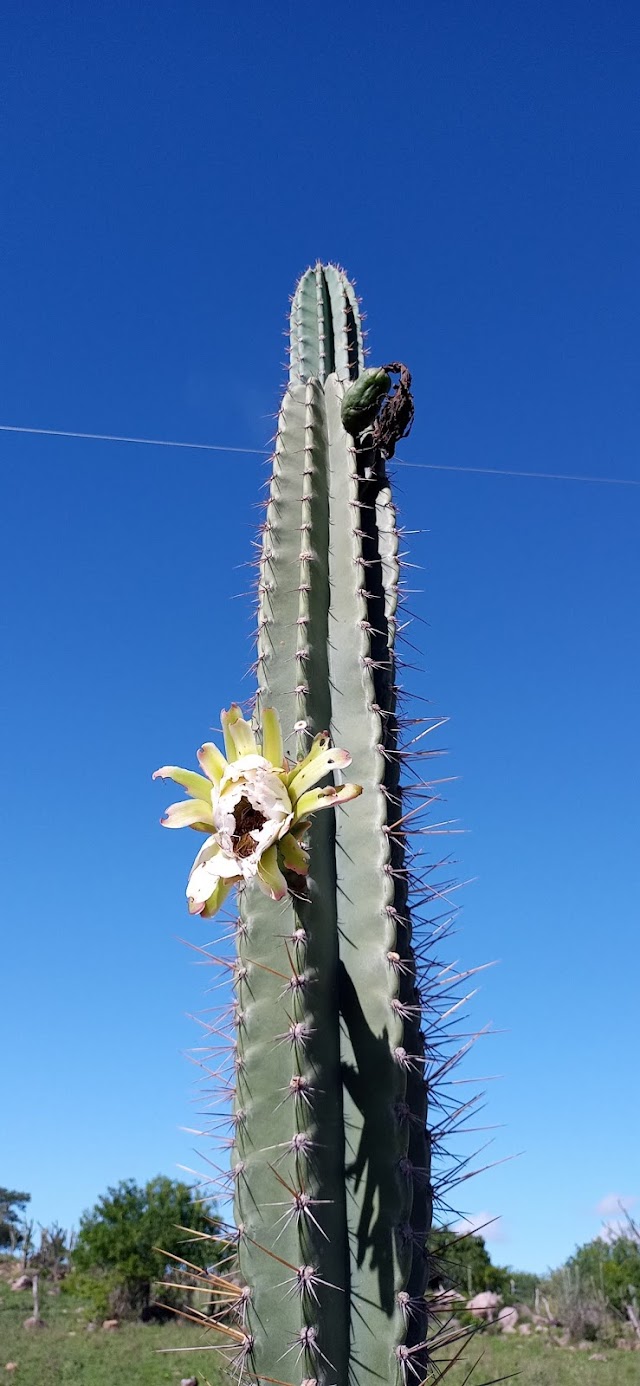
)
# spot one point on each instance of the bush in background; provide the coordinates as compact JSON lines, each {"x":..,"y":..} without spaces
{"x":119,"y":1250}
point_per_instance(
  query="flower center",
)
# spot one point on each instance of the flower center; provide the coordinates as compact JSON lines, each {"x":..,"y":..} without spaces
{"x":247,"y":820}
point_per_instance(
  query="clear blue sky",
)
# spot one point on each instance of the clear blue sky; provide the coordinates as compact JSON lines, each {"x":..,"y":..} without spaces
{"x":166,"y":174}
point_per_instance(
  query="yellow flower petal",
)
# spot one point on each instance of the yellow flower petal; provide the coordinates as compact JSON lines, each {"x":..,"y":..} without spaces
{"x":216,"y":900}
{"x":320,"y":743}
{"x":293,"y":855}
{"x":188,"y":814}
{"x":272,"y":745}
{"x":326,"y":798}
{"x":316,"y":769}
{"x":300,"y":827}
{"x":239,"y":738}
{"x":212,"y":761}
{"x":195,"y":784}
{"x":270,"y":878}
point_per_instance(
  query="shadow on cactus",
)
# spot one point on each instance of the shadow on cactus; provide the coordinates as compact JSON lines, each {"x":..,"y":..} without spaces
{"x":324,"y":1081}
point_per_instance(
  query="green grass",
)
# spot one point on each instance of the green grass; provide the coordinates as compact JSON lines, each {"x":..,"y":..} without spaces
{"x":64,"y":1354}
{"x":538,"y":1364}
{"x":127,"y":1357}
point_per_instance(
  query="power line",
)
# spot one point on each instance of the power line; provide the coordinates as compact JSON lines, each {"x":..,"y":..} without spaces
{"x":114,"y":438}
{"x":265,"y":452}
{"x":503,"y":471}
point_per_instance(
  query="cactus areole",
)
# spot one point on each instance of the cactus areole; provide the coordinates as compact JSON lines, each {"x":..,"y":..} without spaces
{"x":330,"y":1153}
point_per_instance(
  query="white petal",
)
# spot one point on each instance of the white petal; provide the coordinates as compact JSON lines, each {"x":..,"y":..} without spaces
{"x":244,"y":765}
{"x":259,"y":784}
{"x":210,"y":866}
{"x":207,"y":850}
{"x":273,"y":830}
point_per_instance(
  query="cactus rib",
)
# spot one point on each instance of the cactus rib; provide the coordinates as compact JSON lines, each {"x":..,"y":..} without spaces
{"x":325,"y":333}
{"x":290,"y":1197}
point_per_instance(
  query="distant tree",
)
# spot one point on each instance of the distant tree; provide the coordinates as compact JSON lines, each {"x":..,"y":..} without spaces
{"x":12,"y":1205}
{"x":25,"y":1241}
{"x":116,"y":1258}
{"x":56,"y":1245}
{"x":462,"y":1262}
{"x":523,"y":1286}
{"x":612,"y":1267}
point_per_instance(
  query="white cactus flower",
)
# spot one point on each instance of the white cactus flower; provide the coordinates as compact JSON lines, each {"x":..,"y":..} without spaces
{"x":254,"y":806}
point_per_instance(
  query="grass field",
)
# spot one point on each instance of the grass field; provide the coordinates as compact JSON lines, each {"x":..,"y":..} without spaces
{"x":64,"y":1354}
{"x":536,"y":1364}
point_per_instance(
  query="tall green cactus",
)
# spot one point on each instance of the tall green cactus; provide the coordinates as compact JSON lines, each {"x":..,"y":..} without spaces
{"x":331,"y":1154}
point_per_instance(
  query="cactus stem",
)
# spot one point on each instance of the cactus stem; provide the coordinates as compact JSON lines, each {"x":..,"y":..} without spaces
{"x":332,"y":989}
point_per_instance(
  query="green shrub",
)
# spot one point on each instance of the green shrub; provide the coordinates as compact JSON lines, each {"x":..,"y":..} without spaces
{"x":96,"y":1289}
{"x":580,"y":1306}
{"x":612,"y":1266}
{"x":117,"y":1258}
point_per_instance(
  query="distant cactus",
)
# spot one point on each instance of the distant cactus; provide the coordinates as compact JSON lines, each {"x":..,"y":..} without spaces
{"x":331,"y":1159}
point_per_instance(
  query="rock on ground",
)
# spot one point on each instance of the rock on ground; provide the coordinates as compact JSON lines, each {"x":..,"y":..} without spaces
{"x":484,"y":1305}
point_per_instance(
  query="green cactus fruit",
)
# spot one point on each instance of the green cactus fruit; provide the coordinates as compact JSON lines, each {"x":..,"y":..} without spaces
{"x":362,"y":400}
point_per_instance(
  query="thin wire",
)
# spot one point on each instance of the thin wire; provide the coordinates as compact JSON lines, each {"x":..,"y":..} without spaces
{"x":265,"y":452}
{"x":503,"y":471}
{"x":113,"y":438}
